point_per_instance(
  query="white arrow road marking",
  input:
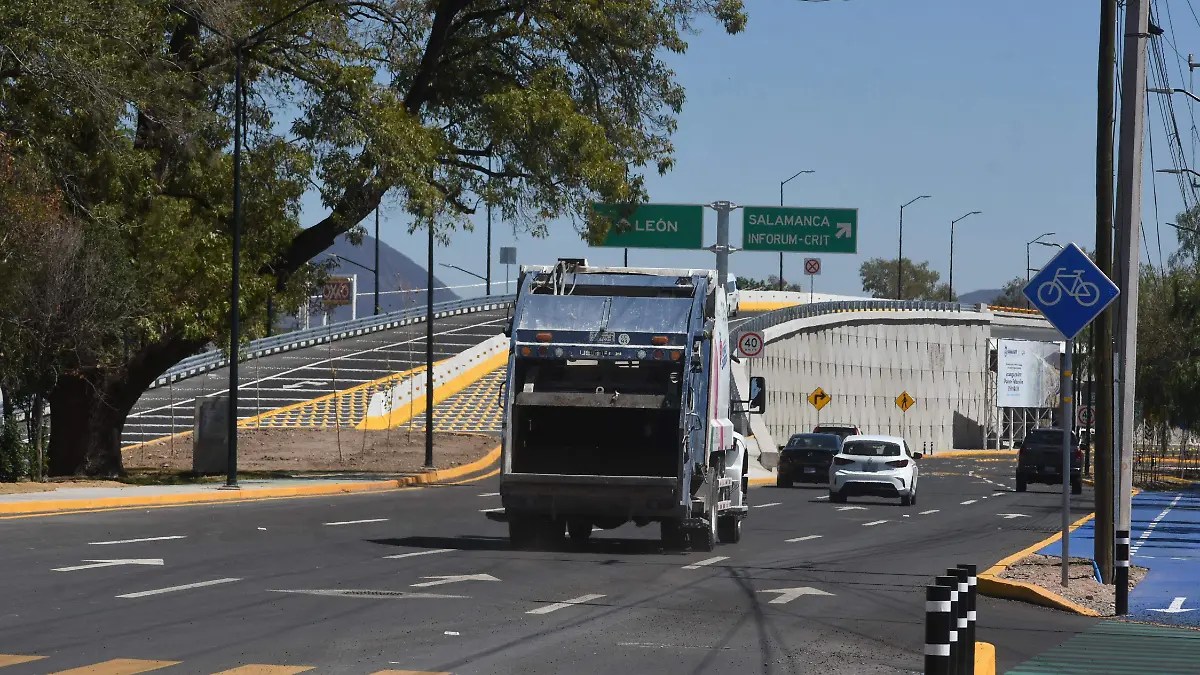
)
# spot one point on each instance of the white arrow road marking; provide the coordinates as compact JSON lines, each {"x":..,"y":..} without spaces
{"x":851,"y":508}
{"x":349,"y":593}
{"x":135,"y":541}
{"x":305,"y":383}
{"x":787,"y":595}
{"x":925,"y":513}
{"x":417,"y":553}
{"x":452,"y":579}
{"x":874,"y":522}
{"x":565,"y":604}
{"x":1010,"y":516}
{"x":184,"y":587}
{"x":843,"y":230}
{"x":110,"y":563}
{"x":811,"y":536}
{"x":708,"y":561}
{"x":359,"y":522}
{"x":763,"y":506}
{"x":969,"y":501}
{"x":1175,"y":608}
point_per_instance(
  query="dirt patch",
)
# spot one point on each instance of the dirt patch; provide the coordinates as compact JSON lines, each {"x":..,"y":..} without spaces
{"x":1083,"y":589}
{"x":326,"y":450}
{"x":54,"y":484}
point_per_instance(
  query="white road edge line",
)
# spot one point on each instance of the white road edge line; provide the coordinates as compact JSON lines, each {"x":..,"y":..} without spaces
{"x":135,"y":541}
{"x":702,"y":563}
{"x":806,"y":538}
{"x":874,"y":522}
{"x":172,"y":589}
{"x":565,"y":604}
{"x":925,"y":513}
{"x":358,"y":522}
{"x":763,"y":506}
{"x":490,"y":494}
{"x":969,"y":501}
{"x":417,"y":553}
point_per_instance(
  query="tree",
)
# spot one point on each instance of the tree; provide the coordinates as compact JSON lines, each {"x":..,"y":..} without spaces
{"x":128,"y":106}
{"x":920,"y":283}
{"x":770,"y":284}
{"x":1011,"y":295}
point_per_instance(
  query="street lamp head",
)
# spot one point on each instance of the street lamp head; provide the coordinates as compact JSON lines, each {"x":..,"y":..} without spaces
{"x":914,"y":199}
{"x":797,"y":174}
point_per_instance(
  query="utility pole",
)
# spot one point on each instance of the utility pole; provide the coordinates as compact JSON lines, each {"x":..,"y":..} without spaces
{"x":1102,"y":440}
{"x":376,"y":260}
{"x":1128,"y":225}
{"x":488,"y":273}
{"x":429,"y":357}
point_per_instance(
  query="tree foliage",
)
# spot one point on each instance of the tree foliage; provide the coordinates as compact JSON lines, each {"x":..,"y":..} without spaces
{"x":879,"y":277}
{"x":537,"y":107}
{"x":1010,"y":294}
{"x":771,"y":283}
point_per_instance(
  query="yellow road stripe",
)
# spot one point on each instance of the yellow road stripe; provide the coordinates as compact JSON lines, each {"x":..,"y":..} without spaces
{"x":16,"y":659}
{"x":118,"y":667}
{"x":265,"y":669}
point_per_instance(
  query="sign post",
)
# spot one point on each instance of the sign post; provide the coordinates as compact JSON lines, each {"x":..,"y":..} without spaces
{"x":799,"y":229}
{"x":812,"y":267}
{"x":1071,"y":292}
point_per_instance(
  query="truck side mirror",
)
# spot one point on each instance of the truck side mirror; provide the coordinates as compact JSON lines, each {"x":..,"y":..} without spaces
{"x":758,"y":396}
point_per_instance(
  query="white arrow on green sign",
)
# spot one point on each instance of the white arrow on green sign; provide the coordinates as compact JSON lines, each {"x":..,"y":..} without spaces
{"x":799,"y":229}
{"x":653,"y":226}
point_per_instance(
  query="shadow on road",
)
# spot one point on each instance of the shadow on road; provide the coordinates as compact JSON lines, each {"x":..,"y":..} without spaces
{"x":594,"y":545}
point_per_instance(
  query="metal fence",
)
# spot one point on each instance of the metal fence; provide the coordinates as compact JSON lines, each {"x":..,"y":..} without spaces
{"x":781,"y":316}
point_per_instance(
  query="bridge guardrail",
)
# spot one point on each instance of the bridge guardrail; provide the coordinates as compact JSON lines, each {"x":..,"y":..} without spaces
{"x":787,"y":314}
{"x":216,"y":358}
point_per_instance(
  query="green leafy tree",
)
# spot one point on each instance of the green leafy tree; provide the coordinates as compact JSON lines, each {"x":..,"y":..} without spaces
{"x":879,"y":278}
{"x":537,"y":107}
{"x":1011,"y":295}
{"x":771,"y":283}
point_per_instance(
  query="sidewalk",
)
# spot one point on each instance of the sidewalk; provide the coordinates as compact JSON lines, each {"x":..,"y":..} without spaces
{"x":1120,"y":648}
{"x":1165,"y":538}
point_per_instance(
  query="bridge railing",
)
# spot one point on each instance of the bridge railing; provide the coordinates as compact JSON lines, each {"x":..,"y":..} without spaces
{"x":780,"y":316}
{"x":217,"y":358}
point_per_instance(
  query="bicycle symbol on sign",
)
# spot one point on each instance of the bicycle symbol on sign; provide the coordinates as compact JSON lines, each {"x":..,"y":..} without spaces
{"x":1086,"y":293}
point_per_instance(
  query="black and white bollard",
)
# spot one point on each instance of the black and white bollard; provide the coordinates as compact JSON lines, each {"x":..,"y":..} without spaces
{"x":972,"y":583}
{"x":952,"y":584}
{"x":960,"y":658}
{"x":1121,"y":563}
{"x":938,"y":622}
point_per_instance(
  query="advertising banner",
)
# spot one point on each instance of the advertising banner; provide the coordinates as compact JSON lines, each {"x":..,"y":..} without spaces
{"x":1028,"y":374}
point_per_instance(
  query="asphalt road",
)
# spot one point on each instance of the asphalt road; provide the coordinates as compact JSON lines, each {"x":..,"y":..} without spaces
{"x":278,"y":573}
{"x":300,"y":375}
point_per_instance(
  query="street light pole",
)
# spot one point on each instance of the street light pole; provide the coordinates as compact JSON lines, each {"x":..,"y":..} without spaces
{"x":781,"y":184}
{"x":231,"y":481}
{"x":1028,"y":244}
{"x":376,"y":260}
{"x":900,"y":255}
{"x":488,"y":281}
{"x":429,"y":357}
{"x":952,"y":223}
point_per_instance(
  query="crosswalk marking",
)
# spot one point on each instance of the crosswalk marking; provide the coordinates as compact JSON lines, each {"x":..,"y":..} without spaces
{"x":118,"y":667}
{"x":264,"y":669}
{"x":16,"y":659}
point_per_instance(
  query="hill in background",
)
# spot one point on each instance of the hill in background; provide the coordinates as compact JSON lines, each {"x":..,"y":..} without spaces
{"x":980,"y":297}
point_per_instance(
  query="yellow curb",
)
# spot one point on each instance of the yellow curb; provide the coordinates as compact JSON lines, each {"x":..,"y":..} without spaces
{"x":762,"y":481}
{"x":985,"y":659}
{"x":991,"y":585}
{"x":972,"y":453}
{"x":395,"y":419}
{"x":49,"y":507}
{"x":766,"y":306}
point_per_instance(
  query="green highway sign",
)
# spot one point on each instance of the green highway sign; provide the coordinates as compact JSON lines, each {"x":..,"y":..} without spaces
{"x":806,"y":230}
{"x":653,"y":226}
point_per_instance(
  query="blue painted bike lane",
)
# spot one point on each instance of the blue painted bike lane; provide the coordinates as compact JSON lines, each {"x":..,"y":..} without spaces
{"x":1165,"y":539}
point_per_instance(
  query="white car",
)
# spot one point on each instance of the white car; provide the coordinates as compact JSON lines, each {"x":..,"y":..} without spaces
{"x":732,"y":296}
{"x":880,"y":466}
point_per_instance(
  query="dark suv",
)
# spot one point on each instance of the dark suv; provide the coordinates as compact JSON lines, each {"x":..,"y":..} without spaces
{"x":1039,"y":459}
{"x":806,"y":459}
{"x":838,"y":429}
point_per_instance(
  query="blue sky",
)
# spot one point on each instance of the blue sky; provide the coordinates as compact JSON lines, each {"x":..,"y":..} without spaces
{"x":986,"y":106}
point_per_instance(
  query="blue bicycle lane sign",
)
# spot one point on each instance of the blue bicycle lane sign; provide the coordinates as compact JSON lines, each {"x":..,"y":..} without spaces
{"x":1071,"y":291}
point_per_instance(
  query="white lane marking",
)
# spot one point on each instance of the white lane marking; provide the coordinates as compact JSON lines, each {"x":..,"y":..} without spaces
{"x":702,"y":563}
{"x":185,"y":587}
{"x":417,"y":553}
{"x":439,"y":580}
{"x":565,"y":604}
{"x":907,"y":516}
{"x":491,"y":510}
{"x":805,"y":538}
{"x":763,"y":506}
{"x":1141,"y":541}
{"x":1010,"y":516}
{"x":925,"y":513}
{"x":851,"y":508}
{"x":305,"y":383}
{"x":969,"y":501}
{"x":874,"y":522}
{"x":359,"y":593}
{"x":135,"y":541}
{"x":358,"y":522}
{"x":823,"y":497}
{"x":109,"y":563}
{"x":490,"y":494}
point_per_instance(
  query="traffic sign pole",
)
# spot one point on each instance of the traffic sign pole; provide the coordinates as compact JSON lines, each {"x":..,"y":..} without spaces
{"x":1066,"y":455}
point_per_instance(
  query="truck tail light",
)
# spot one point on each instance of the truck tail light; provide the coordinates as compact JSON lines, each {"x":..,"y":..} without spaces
{"x":658,"y":354}
{"x":1077,"y":455}
{"x":545,"y":337}
{"x":842,"y":461}
{"x":659,"y":340}
{"x":899,"y":464}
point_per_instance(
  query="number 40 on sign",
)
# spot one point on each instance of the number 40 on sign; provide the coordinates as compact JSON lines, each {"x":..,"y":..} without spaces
{"x":750,"y":344}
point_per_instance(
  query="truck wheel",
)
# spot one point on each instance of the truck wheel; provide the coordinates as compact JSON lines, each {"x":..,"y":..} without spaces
{"x":705,"y":539}
{"x":551,"y":532}
{"x":1020,"y":484}
{"x":579,"y":529}
{"x":671,"y":534}
{"x":729,"y":529}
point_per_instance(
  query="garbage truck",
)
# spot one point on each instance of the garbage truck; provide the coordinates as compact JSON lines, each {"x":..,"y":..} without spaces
{"x":617,"y":406}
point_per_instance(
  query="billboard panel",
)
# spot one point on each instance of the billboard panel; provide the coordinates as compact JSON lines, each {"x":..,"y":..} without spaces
{"x":1028,"y":374}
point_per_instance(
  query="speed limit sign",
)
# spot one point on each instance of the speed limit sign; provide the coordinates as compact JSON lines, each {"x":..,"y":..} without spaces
{"x":751,"y":344}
